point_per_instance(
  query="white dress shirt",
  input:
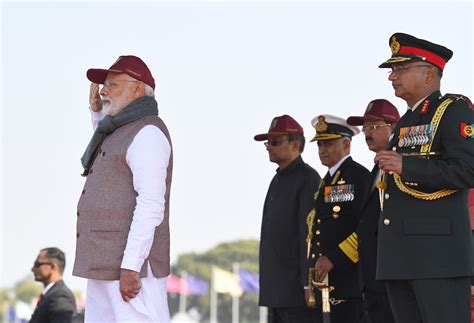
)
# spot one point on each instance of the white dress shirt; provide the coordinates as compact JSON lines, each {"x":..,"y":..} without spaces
{"x":334,"y":168}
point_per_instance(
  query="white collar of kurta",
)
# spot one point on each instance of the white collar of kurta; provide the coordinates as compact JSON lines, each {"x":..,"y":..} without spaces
{"x":334,"y":168}
{"x":413,"y":108}
{"x":48,"y":287}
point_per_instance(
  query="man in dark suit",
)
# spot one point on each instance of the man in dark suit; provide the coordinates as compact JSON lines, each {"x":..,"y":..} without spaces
{"x":333,"y":222}
{"x":378,"y":122}
{"x":282,"y":256}
{"x":57,"y":303}
{"x":424,"y":248}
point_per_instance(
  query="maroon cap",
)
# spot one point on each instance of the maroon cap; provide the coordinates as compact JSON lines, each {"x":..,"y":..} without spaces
{"x":130,"y":65}
{"x":379,"y":109}
{"x":282,"y":125}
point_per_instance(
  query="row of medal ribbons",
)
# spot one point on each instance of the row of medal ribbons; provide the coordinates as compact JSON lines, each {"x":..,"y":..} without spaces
{"x":415,"y":135}
{"x":339,"y":193}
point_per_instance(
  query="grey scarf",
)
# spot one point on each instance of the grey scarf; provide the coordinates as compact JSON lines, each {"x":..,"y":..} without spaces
{"x":141,"y":107}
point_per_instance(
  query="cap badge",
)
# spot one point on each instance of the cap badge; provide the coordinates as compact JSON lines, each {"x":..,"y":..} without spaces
{"x":321,"y":125}
{"x":369,"y":107}
{"x":394,"y":45}
{"x":274,"y":123}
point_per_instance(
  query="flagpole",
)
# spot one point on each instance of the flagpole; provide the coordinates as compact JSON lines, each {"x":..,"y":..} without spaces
{"x":182,"y":291}
{"x":235,"y":299}
{"x":213,"y":301}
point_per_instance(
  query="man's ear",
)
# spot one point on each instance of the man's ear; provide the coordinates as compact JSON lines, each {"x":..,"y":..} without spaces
{"x":139,"y":89}
{"x":430,"y":74}
{"x":295,"y":144}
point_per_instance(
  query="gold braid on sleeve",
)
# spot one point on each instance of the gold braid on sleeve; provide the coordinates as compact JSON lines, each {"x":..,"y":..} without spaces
{"x":425,"y":149}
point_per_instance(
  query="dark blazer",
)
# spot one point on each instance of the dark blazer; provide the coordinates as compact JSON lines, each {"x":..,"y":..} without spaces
{"x":282,"y":256}
{"x":58,"y":305}
{"x":430,"y":238}
{"x":329,"y":231}
{"x":367,"y":240}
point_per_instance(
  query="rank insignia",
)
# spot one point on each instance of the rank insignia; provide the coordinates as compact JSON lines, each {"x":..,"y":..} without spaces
{"x":394,"y":45}
{"x":415,"y":135}
{"x":467,"y":130}
{"x":339,"y":193}
{"x":321,"y":125}
{"x":425,"y":107}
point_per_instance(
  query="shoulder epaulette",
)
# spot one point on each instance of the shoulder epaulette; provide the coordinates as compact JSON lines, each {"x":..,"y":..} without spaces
{"x":457,"y":97}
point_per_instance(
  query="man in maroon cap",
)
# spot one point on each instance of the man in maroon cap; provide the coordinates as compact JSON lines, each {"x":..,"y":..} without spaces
{"x":282,"y":241}
{"x":377,"y":123}
{"x":425,"y":253}
{"x":122,"y":244}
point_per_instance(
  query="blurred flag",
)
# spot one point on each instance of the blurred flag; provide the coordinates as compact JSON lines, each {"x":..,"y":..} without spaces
{"x":248,"y":281}
{"x":197,"y":286}
{"x":176,"y":285}
{"x":226,"y":282}
{"x":11,"y":314}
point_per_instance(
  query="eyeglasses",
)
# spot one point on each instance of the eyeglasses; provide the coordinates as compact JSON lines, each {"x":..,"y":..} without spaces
{"x":400,"y":69}
{"x":274,"y":142}
{"x":374,"y":127}
{"x":38,"y":264}
{"x":111,"y":85}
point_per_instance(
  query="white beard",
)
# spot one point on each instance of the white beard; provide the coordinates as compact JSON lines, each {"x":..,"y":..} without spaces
{"x":110,"y":108}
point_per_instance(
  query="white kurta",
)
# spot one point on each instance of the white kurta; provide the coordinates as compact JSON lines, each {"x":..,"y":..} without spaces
{"x":148,"y":157}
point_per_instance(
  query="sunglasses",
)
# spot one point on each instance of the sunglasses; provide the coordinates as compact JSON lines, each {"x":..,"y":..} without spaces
{"x":274,"y":142}
{"x":38,"y":264}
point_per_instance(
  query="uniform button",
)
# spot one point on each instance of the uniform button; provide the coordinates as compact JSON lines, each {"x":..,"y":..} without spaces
{"x":78,"y":213}
{"x":103,"y":153}
{"x":319,"y":221}
{"x":77,"y":235}
{"x":386,"y":221}
{"x":320,"y":254}
{"x":91,"y":171}
{"x":387,"y":196}
{"x":394,"y":148}
{"x":318,"y":243}
{"x":83,"y":191}
{"x":318,"y":232}
{"x":313,"y":256}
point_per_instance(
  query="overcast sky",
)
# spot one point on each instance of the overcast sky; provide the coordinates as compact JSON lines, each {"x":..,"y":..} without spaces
{"x":223,"y":71}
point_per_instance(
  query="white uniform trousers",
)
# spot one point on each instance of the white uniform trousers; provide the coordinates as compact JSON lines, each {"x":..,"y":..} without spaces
{"x":104,"y":302}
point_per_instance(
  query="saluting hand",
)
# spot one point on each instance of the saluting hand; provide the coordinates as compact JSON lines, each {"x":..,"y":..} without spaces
{"x":389,"y":161}
{"x":323,"y":267}
{"x":129,"y":284}
{"x":94,"y":98}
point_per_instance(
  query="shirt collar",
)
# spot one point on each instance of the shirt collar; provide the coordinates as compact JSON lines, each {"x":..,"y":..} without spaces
{"x":413,"y":108}
{"x":298,"y":160}
{"x":334,"y":168}
{"x":47,"y":288}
